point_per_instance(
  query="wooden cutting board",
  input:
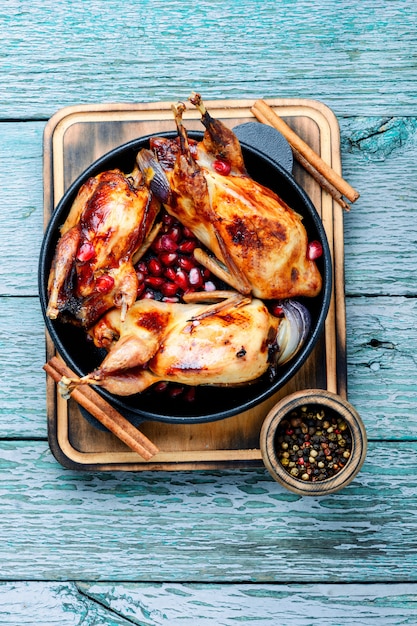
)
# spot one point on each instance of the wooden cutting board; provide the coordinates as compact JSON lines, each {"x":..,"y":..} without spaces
{"x":76,"y":136}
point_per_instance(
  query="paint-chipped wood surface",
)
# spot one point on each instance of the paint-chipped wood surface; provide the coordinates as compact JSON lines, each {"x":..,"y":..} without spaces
{"x":215,"y":547}
{"x":181,"y":604}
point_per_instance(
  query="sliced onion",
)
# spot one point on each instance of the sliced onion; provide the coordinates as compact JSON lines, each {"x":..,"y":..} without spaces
{"x":293,"y":330}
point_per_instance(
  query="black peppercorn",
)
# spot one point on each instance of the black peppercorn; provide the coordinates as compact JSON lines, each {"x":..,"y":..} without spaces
{"x":313,"y":444}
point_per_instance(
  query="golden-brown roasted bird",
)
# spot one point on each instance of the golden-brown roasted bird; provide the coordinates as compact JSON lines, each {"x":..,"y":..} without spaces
{"x":231,"y":342}
{"x":260,"y":243}
{"x":92,"y":269}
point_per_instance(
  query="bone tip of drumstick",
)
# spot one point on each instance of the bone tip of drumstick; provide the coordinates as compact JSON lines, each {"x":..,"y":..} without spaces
{"x":64,"y":388}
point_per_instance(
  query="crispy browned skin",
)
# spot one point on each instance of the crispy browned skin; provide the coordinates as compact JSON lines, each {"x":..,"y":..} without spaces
{"x":193,"y":344}
{"x":254,"y":233}
{"x":110,"y":217}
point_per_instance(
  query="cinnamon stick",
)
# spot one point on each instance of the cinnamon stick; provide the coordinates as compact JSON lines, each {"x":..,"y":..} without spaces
{"x":322,"y":181}
{"x":103,"y":412}
{"x":319,"y":169}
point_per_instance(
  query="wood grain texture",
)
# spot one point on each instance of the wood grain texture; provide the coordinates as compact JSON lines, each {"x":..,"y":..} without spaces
{"x":234,"y":526}
{"x":22,"y":355}
{"x":120,"y":604}
{"x":58,"y":604}
{"x":381,"y":342}
{"x":287,"y":605}
{"x":379,"y":158}
{"x":380,"y":225}
{"x":381,"y":364}
{"x":354,"y":55}
{"x":136,"y":542}
{"x":21,"y":208}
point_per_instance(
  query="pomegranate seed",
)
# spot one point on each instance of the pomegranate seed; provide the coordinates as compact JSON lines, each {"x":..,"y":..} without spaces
{"x":168,"y":220}
{"x":168,"y":258}
{"x":142,"y":267}
{"x":222,"y":167}
{"x":186,"y":263}
{"x":155,"y":281}
{"x":159,"y":387}
{"x":157,"y":245}
{"x":314,"y":251}
{"x":104,"y":283}
{"x":190,"y":394}
{"x":141,"y":289}
{"x":174,"y":234}
{"x":174,"y":392}
{"x":181,"y":279}
{"x":187,"y":233}
{"x":169,"y":289}
{"x":187,"y":246}
{"x":155,"y":267}
{"x":85,"y":252}
{"x":140,"y":275}
{"x":149,"y":295}
{"x":195,"y":278}
{"x":168,"y":244}
{"x":209,"y":286}
{"x":171,"y":299}
{"x":170,"y":273}
{"x":277,"y":310}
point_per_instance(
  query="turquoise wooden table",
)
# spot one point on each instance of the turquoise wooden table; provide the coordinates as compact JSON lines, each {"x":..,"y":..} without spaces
{"x":215,"y":547}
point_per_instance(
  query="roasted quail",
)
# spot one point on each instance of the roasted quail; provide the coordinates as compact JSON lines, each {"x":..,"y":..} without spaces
{"x":260,"y":243}
{"x":230,"y":342}
{"x":92,"y":270}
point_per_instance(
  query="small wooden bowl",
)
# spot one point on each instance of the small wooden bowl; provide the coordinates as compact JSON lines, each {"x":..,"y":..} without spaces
{"x":331,"y":404}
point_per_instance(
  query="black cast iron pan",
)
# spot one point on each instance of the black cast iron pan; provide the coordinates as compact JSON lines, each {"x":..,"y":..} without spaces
{"x":211,"y":403}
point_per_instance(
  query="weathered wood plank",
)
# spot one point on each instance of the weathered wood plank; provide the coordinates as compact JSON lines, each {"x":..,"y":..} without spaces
{"x":287,"y":605}
{"x":234,"y":526}
{"x":60,"y":54}
{"x":45,"y":604}
{"x":223,"y":605}
{"x":380,"y":256}
{"x":22,"y":355}
{"x":379,"y":159}
{"x":21,"y":206}
{"x":381,"y":342}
